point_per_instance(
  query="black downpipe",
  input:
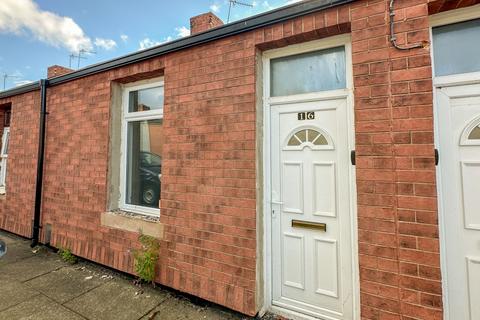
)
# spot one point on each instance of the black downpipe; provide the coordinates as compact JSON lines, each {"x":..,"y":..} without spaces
{"x":40,"y":157}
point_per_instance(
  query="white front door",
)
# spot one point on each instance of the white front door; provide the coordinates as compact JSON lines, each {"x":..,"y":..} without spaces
{"x":456,"y":52}
{"x":311,"y":208}
{"x":3,"y":158}
{"x":458,"y":125}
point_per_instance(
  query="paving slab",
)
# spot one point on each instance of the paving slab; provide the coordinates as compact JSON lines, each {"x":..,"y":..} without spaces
{"x":38,"y":285}
{"x":30,"y":268}
{"x":66,"y":283}
{"x":183,"y":309}
{"x":13,"y":292}
{"x":15,"y":252}
{"x":11,"y":239}
{"x":117,"y":300}
{"x":39,"y":308}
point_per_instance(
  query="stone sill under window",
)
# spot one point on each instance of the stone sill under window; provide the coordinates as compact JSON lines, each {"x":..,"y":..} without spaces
{"x":133,"y":222}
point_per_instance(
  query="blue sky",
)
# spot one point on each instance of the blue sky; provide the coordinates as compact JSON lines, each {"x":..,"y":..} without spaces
{"x":35,"y":34}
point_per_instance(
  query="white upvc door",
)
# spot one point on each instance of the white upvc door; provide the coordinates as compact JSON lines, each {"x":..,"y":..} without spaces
{"x":456,"y":85}
{"x":312,"y":217}
{"x":458,"y":131}
{"x":311,"y":264}
{"x":3,"y":158}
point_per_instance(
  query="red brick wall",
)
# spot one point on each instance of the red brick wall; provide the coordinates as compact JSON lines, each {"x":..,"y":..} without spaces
{"x":16,"y":207}
{"x":209,"y":187}
{"x":204,"y":22}
{"x":56,"y":71}
{"x":398,"y":232}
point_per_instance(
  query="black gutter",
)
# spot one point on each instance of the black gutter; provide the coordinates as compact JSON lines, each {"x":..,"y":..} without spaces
{"x":248,"y":24}
{"x":43,"y":84}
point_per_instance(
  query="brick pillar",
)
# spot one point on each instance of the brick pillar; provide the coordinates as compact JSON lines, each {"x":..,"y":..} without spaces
{"x":204,"y":22}
{"x":398,"y":228}
{"x":56,"y":71}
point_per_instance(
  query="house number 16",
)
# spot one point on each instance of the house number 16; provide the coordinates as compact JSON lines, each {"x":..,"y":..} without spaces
{"x":306,"y":115}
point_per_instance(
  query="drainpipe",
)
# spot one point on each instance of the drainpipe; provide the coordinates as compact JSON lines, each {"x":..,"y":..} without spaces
{"x":40,"y":157}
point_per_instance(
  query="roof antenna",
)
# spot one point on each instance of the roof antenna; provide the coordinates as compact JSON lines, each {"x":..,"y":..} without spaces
{"x":7,"y":76}
{"x":79,"y":56}
{"x":235,"y":2}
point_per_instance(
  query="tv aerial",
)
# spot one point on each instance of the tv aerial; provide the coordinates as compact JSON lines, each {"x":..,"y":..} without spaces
{"x":233,"y":3}
{"x":6,"y":76}
{"x":79,"y":56}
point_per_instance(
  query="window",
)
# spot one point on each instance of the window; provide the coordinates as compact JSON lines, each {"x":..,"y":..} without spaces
{"x":3,"y":158}
{"x":456,"y":48}
{"x":309,"y":137}
{"x":471,"y":134}
{"x":142,"y":145}
{"x":308,"y":72}
{"x":475,"y":134}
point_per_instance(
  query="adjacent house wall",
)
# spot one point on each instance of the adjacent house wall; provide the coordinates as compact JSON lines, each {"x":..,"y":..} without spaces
{"x":209,"y":192}
{"x":16,"y":206}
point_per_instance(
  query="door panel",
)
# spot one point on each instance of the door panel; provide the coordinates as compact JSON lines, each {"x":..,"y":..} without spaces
{"x":312,"y":267}
{"x":458,"y":109}
{"x":324,"y":187}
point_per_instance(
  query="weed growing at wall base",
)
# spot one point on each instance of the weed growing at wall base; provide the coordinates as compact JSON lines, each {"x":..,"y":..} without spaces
{"x":146,"y":258}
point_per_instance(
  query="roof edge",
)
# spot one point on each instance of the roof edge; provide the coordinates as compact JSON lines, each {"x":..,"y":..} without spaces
{"x":257,"y":21}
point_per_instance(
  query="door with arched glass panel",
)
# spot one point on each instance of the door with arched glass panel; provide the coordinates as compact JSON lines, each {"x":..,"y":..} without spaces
{"x":312,"y":235}
{"x":313,"y":250}
{"x":457,"y":109}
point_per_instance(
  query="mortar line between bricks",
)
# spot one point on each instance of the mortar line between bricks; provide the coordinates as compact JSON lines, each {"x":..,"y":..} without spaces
{"x":79,"y":314}
{"x":169,"y":298}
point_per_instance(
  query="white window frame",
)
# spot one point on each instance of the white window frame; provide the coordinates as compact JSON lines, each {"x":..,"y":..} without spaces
{"x":3,"y":159}
{"x":128,"y":117}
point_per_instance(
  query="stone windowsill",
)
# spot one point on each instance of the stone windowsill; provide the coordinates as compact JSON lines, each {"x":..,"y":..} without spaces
{"x":132,"y":222}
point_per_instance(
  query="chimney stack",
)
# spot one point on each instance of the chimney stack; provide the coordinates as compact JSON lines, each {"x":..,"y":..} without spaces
{"x":56,"y":71}
{"x":204,"y":22}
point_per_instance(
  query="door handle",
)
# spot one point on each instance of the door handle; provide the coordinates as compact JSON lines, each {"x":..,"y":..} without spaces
{"x":309,"y":225}
{"x":277,"y":202}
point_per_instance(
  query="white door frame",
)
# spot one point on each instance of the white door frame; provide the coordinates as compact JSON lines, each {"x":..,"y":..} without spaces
{"x":440,"y":19}
{"x":341,"y":40}
{"x":4,"y":159}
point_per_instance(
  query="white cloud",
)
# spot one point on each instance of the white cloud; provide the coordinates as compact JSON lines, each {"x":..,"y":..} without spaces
{"x":292,"y":1}
{"x":148,"y":43}
{"x":182,"y":31}
{"x":107,"y":44}
{"x":215,"y":8}
{"x":124,"y":37}
{"x":25,"y":17}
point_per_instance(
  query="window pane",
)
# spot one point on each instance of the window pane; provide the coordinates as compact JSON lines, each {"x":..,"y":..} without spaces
{"x":475,"y":134}
{"x":144,"y":163}
{"x":456,"y":48}
{"x":308,"y":72}
{"x":146,"y":99}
